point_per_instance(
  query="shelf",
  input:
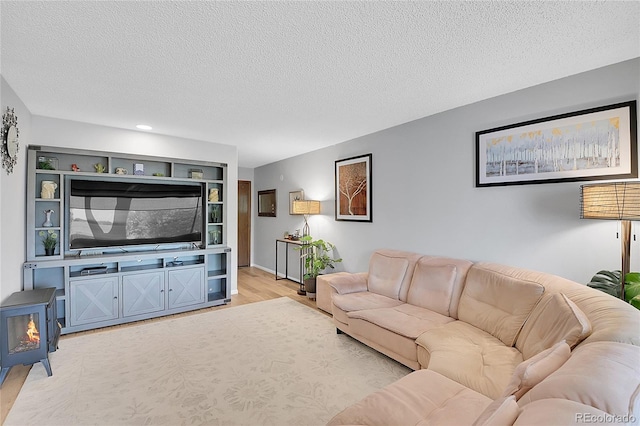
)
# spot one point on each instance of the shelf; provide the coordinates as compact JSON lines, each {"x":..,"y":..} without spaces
{"x":140,"y":268}
{"x":215,"y":296}
{"x":79,"y":274}
{"x":60,"y":294}
{"x":218,"y":273}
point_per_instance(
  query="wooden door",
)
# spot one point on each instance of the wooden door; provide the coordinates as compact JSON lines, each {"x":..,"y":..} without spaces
{"x":244,"y":223}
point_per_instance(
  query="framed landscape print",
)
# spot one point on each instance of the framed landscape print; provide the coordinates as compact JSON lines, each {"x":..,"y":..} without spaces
{"x":597,"y":143}
{"x":353,"y":189}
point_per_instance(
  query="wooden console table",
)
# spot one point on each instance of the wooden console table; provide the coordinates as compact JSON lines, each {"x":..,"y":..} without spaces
{"x":287,"y":244}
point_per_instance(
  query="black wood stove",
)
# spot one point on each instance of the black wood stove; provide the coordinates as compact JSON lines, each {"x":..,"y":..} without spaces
{"x":29,"y":329}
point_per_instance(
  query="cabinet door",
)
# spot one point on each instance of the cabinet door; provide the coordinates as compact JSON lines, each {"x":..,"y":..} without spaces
{"x":186,"y":287}
{"x":142,"y":293}
{"x":93,"y":300}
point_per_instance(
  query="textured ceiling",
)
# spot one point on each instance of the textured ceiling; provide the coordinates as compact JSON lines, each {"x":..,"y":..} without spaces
{"x":279,"y":79}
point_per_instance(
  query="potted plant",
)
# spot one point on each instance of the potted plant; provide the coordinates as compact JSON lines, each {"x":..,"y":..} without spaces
{"x":49,"y":241}
{"x":316,"y":259}
{"x":609,"y":282}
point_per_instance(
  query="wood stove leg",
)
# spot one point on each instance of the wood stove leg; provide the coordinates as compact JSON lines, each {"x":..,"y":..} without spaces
{"x":47,"y":366}
{"x":3,"y":374}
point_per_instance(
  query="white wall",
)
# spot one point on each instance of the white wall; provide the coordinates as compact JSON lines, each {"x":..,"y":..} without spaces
{"x":62,"y":133}
{"x":424,"y":198}
{"x":12,"y":200}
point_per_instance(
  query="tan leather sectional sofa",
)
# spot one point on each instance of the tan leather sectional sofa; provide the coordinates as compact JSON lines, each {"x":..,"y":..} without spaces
{"x":491,"y":344}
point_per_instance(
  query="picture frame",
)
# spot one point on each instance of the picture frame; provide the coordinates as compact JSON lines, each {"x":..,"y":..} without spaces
{"x":267,"y":203}
{"x":353,"y":189}
{"x":592,"y":144}
{"x":295,"y":196}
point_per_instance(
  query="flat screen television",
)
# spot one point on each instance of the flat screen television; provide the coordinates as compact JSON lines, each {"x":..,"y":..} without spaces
{"x":103,"y":214}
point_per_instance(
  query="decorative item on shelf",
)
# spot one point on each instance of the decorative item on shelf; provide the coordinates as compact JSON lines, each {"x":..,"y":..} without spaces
{"x":158,"y":174}
{"x":49,"y":241}
{"x":48,"y":189}
{"x":196,"y":174}
{"x":214,"y":196}
{"x":75,"y":167}
{"x":9,"y":140}
{"x":614,"y":201}
{"x":100,"y":168}
{"x":315,"y":254}
{"x":47,"y":163}
{"x":47,"y":223}
{"x":215,"y":214}
{"x":214,"y":236}
{"x":121,"y":171}
{"x":306,"y":208}
{"x":138,"y":169}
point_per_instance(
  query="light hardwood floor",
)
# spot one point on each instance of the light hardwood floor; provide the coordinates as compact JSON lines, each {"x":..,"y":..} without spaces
{"x":254,"y":285}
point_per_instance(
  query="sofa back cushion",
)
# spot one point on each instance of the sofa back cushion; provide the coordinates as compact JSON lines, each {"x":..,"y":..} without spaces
{"x":498,"y":299}
{"x":389,"y":271}
{"x":437,"y":284}
{"x":532,"y":371}
{"x":605,"y":375}
{"x":554,"y":319}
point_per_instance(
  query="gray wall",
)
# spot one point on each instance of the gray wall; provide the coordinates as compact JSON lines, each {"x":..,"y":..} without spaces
{"x":13,"y":188}
{"x":424,"y":198}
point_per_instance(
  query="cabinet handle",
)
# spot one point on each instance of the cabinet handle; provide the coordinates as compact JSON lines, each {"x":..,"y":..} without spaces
{"x":162,"y":291}
{"x":115,"y":297}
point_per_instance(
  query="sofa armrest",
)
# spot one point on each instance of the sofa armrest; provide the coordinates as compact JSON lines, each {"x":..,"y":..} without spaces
{"x":350,"y":283}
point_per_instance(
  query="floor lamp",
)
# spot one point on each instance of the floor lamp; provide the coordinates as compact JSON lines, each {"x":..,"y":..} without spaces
{"x":305,"y":207}
{"x":614,"y":201}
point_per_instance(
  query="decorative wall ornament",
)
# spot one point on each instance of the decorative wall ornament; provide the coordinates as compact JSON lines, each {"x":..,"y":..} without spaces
{"x":9,"y":138}
{"x":593,"y":144}
{"x":354,"y":189}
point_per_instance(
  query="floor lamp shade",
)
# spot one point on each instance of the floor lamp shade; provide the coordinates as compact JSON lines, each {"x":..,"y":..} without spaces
{"x":306,"y":207}
{"x":614,"y":201}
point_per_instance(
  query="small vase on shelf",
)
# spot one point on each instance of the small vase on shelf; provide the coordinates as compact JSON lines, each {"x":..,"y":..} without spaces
{"x":47,"y":223}
{"x":49,"y":251}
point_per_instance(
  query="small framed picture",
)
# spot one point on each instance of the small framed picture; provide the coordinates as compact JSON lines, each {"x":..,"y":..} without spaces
{"x":138,"y":169}
{"x":196,"y":174}
{"x":295,"y":196}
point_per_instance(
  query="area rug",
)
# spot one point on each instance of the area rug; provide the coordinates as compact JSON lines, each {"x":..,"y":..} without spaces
{"x":276,"y":362}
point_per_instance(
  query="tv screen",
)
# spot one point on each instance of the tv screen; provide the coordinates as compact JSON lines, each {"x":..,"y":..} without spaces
{"x":107,"y":213}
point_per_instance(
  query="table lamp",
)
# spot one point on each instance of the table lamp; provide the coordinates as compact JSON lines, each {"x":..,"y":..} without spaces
{"x":613,"y":201}
{"x":306,"y":208}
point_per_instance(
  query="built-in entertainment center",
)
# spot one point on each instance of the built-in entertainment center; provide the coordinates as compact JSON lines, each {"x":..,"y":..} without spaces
{"x":137,"y":236}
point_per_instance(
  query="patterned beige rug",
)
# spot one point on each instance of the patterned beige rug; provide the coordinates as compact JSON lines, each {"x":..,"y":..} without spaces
{"x":270,"y":363}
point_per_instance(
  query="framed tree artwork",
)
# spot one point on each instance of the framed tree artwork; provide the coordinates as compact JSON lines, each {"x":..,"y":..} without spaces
{"x":593,"y":144}
{"x":353,"y":189}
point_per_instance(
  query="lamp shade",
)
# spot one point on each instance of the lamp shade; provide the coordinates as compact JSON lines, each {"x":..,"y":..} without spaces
{"x":306,"y":207}
{"x":615,"y":201}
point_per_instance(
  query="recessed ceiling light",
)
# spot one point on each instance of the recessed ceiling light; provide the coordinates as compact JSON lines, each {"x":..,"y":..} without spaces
{"x":144,"y":127}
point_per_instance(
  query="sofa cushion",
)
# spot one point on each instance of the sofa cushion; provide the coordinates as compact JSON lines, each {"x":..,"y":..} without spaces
{"x":407,"y":320}
{"x":532,"y":371}
{"x":422,"y":397}
{"x":497,"y":302}
{"x":363,"y":300}
{"x":556,"y":318}
{"x":432,"y":287}
{"x":389,"y":270}
{"x":437,"y":284}
{"x":554,"y":411}
{"x":469,"y":356}
{"x":605,"y":375}
{"x":502,"y":411}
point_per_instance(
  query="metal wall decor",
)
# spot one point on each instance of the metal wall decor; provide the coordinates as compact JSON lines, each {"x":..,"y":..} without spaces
{"x":9,"y":137}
